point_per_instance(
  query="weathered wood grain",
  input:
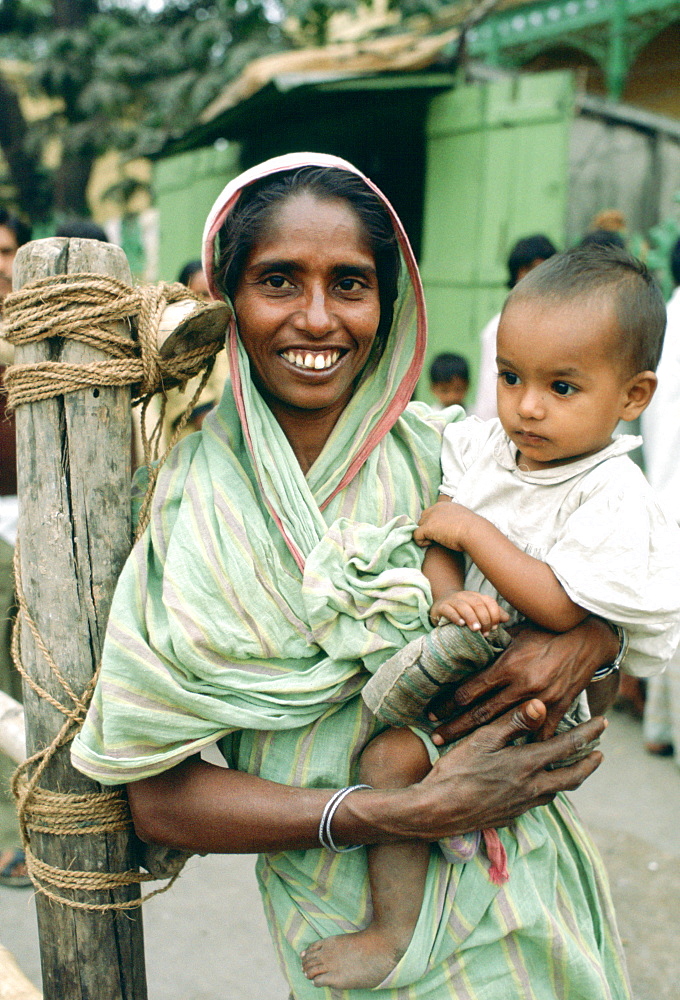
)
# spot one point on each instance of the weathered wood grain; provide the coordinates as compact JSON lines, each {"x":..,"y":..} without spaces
{"x":73,"y":457}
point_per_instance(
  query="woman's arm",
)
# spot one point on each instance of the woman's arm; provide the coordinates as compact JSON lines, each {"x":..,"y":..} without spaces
{"x":525,"y":582}
{"x":481,"y":782}
{"x":538,"y":664}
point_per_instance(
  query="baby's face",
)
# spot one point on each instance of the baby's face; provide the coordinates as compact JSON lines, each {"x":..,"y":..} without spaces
{"x":561,"y":391}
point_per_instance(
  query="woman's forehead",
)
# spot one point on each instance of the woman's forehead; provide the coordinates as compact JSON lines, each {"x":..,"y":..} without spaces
{"x":303,"y":219}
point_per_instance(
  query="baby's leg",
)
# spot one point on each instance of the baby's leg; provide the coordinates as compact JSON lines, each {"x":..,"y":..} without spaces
{"x":396,"y":872}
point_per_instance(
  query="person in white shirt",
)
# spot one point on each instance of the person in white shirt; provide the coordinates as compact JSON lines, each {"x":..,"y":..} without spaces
{"x":661,"y":449}
{"x":542,"y":517}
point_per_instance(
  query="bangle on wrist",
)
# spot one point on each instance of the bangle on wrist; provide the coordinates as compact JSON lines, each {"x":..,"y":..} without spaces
{"x":609,"y":668}
{"x":325,"y":836}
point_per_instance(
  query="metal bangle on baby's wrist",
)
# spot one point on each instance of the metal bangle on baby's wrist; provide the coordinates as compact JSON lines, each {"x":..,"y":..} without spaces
{"x":609,"y":668}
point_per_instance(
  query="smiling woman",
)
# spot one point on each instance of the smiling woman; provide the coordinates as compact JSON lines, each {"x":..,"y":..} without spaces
{"x":279,"y":569}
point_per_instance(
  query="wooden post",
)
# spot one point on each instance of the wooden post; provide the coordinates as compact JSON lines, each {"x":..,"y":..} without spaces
{"x":74,"y":531}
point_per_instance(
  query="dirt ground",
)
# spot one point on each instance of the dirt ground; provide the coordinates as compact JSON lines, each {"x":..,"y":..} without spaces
{"x":631,"y":806}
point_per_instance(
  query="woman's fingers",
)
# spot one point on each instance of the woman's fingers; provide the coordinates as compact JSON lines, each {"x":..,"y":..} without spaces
{"x":492,"y":782}
{"x":524,"y":719}
{"x":476,"y":716}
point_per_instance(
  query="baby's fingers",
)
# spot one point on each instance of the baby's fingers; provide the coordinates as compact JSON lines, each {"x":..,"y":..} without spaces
{"x":496,"y":613}
{"x":466,"y":612}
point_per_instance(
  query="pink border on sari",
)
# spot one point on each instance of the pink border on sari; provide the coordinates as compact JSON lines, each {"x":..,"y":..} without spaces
{"x":221,"y":208}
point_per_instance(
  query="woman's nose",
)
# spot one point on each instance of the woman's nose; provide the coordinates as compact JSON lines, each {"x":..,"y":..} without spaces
{"x":316,"y":317}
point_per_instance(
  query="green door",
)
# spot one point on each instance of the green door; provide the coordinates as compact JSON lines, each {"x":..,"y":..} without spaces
{"x":497,"y":170}
{"x":185,"y":186}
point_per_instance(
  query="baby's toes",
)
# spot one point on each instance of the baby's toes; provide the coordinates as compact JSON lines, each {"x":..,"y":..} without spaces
{"x":312,"y":961}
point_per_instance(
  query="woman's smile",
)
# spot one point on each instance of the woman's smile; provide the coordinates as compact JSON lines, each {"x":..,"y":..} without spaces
{"x":310,"y":360}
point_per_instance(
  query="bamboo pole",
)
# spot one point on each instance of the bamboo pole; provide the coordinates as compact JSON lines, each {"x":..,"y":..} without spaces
{"x":74,"y":530}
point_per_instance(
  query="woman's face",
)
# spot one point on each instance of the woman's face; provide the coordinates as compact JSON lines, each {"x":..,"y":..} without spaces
{"x":307,"y":304}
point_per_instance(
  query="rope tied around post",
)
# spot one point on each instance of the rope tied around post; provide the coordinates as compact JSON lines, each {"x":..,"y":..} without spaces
{"x":41,"y":810}
{"x":85,"y":307}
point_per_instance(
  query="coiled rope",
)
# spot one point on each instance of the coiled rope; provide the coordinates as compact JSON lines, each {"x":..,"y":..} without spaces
{"x":86,"y":308}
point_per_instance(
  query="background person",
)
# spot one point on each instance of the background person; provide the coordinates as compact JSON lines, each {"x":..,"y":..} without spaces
{"x":193,"y":276}
{"x":83,"y":229}
{"x":449,"y":380}
{"x":526,"y":254}
{"x":238,"y":619}
{"x":661,"y":447}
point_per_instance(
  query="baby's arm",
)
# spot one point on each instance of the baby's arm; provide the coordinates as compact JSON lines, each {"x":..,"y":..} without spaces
{"x":525,"y":582}
{"x":444,"y":569}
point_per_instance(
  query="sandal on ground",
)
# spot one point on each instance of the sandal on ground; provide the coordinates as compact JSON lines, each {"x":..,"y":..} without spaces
{"x":13,"y":872}
{"x":660,"y":749}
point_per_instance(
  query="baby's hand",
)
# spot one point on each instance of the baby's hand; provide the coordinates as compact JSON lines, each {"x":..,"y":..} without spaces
{"x":445,"y":523}
{"x":467,"y":607}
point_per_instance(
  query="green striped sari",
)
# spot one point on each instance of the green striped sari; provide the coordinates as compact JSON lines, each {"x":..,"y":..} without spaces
{"x":252,"y":611}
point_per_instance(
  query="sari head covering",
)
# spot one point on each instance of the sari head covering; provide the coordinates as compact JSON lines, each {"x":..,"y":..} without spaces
{"x":258,"y":595}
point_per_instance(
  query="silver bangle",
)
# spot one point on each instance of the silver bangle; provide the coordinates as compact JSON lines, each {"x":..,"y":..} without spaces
{"x":609,"y":668}
{"x":325,"y":836}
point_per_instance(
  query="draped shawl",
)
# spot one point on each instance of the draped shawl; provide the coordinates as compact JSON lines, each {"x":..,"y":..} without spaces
{"x":259,"y":596}
{"x":252,"y":611}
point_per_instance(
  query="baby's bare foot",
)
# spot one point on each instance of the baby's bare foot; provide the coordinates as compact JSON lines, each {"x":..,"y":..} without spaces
{"x":352,"y":961}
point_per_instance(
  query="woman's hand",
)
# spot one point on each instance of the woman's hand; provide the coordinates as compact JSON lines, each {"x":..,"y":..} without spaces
{"x":495,"y":783}
{"x":538,"y":664}
{"x":481,"y":782}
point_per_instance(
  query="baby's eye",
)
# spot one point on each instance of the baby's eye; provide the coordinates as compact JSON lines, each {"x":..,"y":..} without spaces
{"x":509,"y":378}
{"x":563,"y":388}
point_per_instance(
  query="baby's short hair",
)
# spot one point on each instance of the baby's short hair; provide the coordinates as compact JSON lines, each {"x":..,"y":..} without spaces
{"x":592,"y":271}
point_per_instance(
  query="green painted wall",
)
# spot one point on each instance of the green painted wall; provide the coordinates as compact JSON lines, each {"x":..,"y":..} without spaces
{"x":185,"y":187}
{"x":497,"y":170}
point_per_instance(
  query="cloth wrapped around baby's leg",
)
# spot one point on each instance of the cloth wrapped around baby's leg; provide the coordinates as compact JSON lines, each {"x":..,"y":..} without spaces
{"x":401,"y":690}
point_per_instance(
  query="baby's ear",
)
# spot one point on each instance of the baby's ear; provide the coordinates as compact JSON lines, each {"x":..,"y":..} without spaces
{"x":638,"y":395}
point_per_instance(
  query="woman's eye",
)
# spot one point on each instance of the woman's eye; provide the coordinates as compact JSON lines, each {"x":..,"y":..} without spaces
{"x":509,"y":378}
{"x":563,"y":388}
{"x":350,"y":285}
{"x":275,"y":281}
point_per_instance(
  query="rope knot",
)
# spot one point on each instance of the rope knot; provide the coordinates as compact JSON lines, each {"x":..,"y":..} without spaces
{"x":87,"y":308}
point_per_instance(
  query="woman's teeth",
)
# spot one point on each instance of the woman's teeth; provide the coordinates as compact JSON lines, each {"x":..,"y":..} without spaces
{"x":309,"y":360}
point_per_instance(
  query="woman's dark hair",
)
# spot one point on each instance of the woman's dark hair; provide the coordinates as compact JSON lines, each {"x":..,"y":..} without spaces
{"x":191,"y":268}
{"x":248,"y":220}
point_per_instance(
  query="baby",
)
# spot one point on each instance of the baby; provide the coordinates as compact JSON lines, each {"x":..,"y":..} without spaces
{"x":543,"y":517}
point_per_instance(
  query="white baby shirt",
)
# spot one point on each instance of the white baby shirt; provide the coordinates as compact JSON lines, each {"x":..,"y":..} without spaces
{"x":594,"y":521}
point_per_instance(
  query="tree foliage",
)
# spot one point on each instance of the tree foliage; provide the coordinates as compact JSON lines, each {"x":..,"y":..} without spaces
{"x":125,"y":78}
